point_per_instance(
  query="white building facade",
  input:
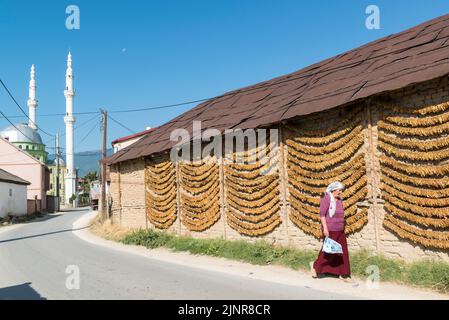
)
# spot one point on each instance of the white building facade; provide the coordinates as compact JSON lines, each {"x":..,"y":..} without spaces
{"x":13,"y":195}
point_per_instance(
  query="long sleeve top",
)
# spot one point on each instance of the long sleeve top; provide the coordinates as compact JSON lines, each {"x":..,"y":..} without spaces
{"x":337,"y":222}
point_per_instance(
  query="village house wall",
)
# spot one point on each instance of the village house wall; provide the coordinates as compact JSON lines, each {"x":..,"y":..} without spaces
{"x":28,"y":168}
{"x":129,"y":207}
{"x":13,"y":199}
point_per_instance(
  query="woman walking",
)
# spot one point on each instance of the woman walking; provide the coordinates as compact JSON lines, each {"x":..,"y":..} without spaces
{"x":333,"y":226}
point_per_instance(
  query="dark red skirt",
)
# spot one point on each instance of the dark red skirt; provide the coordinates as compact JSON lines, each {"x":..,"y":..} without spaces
{"x":337,"y":264}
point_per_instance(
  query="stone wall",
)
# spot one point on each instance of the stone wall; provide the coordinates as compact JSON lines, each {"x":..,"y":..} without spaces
{"x":128,"y":190}
{"x":128,"y":194}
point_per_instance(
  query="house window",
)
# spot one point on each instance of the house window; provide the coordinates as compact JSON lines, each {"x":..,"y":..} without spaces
{"x":10,"y":192}
{"x":27,"y":147}
{"x":51,"y":170}
{"x":20,"y":146}
{"x":33,"y":148}
{"x":51,"y":186}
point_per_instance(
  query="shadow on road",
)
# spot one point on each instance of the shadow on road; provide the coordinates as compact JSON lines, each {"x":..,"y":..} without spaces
{"x":75,"y":209}
{"x":32,"y":218}
{"x":20,"y":292}
{"x":44,"y":217}
{"x":43,"y":234}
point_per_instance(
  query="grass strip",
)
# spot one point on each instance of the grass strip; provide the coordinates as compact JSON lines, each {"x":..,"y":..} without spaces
{"x":425,"y":273}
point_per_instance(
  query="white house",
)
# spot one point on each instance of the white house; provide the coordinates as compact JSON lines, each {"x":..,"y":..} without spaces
{"x":123,"y":142}
{"x":13,"y":194}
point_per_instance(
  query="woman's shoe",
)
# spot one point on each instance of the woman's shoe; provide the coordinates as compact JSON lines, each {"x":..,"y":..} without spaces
{"x":313,"y":271}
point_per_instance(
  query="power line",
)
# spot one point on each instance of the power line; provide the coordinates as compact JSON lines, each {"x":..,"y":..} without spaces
{"x":122,"y":125}
{"x":160,"y":107}
{"x":77,"y":127}
{"x":123,"y":111}
{"x":87,"y":135}
{"x":78,"y":155}
{"x":18,"y":105}
{"x":56,"y":114}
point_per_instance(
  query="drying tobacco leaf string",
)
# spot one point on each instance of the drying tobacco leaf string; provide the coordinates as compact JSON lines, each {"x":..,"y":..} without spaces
{"x":421,"y":144}
{"x":415,"y":208}
{"x":426,"y":238}
{"x":340,"y":156}
{"x":435,"y":130}
{"x":315,"y":150}
{"x":421,"y":192}
{"x":410,"y":154}
{"x":421,"y":170}
{"x":327,"y":157}
{"x":423,"y":221}
{"x":420,"y":110}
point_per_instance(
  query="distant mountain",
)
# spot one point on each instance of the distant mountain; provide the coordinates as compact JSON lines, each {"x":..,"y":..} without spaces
{"x":87,"y":161}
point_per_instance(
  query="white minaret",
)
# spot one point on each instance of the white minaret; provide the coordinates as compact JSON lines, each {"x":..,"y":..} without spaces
{"x":32,"y":102}
{"x":69,"y":120}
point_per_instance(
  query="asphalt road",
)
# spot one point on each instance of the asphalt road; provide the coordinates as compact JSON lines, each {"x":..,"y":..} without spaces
{"x":41,"y":260}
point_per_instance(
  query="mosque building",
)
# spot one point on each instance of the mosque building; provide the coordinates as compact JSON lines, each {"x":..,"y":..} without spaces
{"x":26,"y":137}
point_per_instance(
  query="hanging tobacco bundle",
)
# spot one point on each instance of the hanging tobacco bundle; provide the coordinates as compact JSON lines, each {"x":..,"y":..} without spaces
{"x":318,"y":154}
{"x":252,"y":192}
{"x":200,"y":194}
{"x":160,"y":193}
{"x":415,"y":146}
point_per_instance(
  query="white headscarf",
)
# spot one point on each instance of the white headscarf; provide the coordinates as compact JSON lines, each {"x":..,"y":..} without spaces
{"x":333,"y":204}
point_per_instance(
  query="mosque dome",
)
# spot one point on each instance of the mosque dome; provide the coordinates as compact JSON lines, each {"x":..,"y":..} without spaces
{"x":61,"y":162}
{"x":21,"y":133}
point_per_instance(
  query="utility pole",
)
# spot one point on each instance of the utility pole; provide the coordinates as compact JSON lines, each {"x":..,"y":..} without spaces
{"x":103,"y":199}
{"x":57,"y":171}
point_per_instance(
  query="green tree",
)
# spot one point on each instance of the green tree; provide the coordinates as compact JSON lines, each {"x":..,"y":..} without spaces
{"x":88,"y":178}
{"x":72,"y":198}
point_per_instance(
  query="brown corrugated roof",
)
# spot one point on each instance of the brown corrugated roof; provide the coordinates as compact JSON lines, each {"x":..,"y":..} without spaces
{"x":5,"y":176}
{"x":393,"y":62}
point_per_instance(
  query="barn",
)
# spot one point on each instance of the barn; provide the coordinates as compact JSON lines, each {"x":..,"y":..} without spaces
{"x":375,"y":118}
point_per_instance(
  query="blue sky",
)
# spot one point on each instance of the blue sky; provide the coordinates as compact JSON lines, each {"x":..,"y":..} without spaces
{"x":134,"y":53}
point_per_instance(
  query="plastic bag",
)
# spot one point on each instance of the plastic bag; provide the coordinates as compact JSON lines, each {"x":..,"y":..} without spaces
{"x":331,"y":246}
